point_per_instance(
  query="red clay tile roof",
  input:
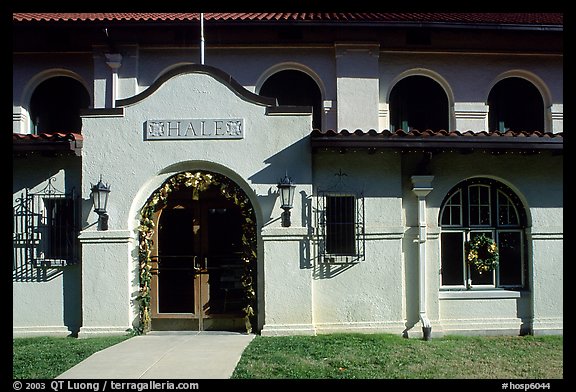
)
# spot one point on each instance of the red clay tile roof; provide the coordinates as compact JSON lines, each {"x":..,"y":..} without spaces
{"x":58,"y":136}
{"x":47,"y":142}
{"x":373,"y":17}
{"x":493,"y":140}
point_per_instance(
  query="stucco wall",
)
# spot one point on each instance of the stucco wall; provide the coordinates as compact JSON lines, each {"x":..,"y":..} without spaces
{"x":45,"y":301}
{"x":540,"y":305}
{"x":366,"y":295}
{"x":273,"y":144}
{"x":379,"y":293}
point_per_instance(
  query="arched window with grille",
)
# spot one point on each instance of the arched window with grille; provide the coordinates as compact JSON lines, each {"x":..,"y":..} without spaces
{"x":483,"y":206}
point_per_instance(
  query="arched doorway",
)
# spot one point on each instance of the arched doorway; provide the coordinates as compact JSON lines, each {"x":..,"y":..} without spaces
{"x":198,"y":255}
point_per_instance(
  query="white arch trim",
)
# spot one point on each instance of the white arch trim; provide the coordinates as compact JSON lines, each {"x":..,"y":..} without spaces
{"x":527,"y":75}
{"x":423,"y":72}
{"x":290,"y":66}
{"x":37,"y":79}
{"x":40,"y":77}
{"x":434,"y":76}
{"x":159,"y":178}
{"x":536,"y":82}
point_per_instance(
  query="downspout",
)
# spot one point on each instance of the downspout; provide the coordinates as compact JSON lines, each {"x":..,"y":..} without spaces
{"x":202,"y":38}
{"x":114,"y":61}
{"x":422,"y":186}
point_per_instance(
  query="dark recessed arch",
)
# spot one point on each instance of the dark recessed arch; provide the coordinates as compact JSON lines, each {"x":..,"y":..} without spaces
{"x":419,"y":102}
{"x":295,"y":88}
{"x":515,"y":104}
{"x":56,"y":104}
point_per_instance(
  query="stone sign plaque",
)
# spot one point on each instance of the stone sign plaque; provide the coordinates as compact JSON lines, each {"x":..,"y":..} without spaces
{"x":194,"y":129}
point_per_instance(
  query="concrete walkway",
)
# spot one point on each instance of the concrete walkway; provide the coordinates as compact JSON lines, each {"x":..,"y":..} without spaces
{"x":166,"y":355}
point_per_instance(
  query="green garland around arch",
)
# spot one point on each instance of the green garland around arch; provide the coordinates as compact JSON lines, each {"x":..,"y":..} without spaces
{"x":199,"y":181}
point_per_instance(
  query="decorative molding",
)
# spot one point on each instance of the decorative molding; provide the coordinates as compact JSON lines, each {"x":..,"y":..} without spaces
{"x":547,"y":233}
{"x":102,"y":112}
{"x":40,"y":331}
{"x":107,"y":236}
{"x":471,"y":115}
{"x":88,"y":332}
{"x":113,"y":60}
{"x":284,"y":233}
{"x":216,"y":73}
{"x":288,"y":110}
{"x":482,"y":327}
{"x":362,"y":326}
{"x":547,"y":236}
{"x":287,"y":329}
{"x":480,"y":294}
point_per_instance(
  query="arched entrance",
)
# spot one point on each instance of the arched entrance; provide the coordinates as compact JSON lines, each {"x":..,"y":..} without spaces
{"x":197,"y":255}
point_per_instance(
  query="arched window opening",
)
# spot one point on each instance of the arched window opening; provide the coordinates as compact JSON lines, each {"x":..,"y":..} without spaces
{"x":515,"y":104}
{"x":482,"y":206}
{"x":292,"y":87}
{"x":55,"y":105}
{"x":418,"y":102}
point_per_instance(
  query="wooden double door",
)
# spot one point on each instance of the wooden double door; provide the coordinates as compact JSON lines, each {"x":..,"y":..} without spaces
{"x":197,"y":265}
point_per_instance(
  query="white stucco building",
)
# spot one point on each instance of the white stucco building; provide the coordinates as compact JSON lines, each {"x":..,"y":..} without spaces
{"x":406,"y":137}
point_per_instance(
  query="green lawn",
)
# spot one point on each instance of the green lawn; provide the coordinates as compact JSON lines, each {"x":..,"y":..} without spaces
{"x":383,"y":356}
{"x":48,"y":357}
{"x":338,"y":356}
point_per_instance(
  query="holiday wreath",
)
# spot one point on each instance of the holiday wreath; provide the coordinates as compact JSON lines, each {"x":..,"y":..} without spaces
{"x":482,"y":253}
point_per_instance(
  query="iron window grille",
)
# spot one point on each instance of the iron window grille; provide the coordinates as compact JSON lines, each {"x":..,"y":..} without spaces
{"x":46,"y":227}
{"x":340,"y":223}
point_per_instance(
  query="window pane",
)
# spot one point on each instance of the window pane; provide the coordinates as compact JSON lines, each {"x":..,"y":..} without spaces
{"x":484,"y":195}
{"x":507,"y":213}
{"x":452,"y":258}
{"x":451,"y":215}
{"x":479,"y":204}
{"x":484,"y":278}
{"x":484,"y":215}
{"x":473,"y":195}
{"x":455,"y":212}
{"x":474,"y":215}
{"x":510,"y":249}
{"x":340,"y":225}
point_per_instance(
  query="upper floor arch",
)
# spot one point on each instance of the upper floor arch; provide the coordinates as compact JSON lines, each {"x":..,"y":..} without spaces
{"x":294,"y":84}
{"x":52,"y":101}
{"x":422,"y":99}
{"x":519,"y":100}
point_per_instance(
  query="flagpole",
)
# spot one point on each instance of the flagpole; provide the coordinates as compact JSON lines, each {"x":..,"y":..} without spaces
{"x":202,"y":38}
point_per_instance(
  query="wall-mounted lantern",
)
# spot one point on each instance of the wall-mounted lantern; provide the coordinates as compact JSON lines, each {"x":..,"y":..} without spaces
{"x":286,"y":187}
{"x":99,"y":196}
